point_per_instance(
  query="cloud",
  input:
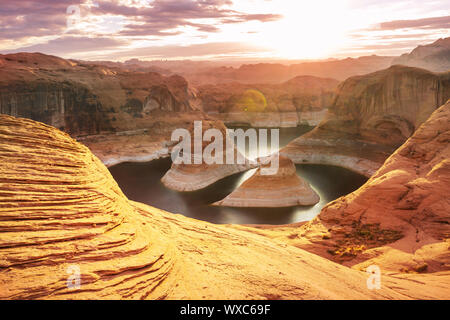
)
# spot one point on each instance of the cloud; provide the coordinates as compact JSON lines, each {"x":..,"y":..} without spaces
{"x":20,"y":19}
{"x":427,"y":23}
{"x":194,"y":50}
{"x":71,"y":44}
{"x":162,"y":16}
{"x":25,"y":19}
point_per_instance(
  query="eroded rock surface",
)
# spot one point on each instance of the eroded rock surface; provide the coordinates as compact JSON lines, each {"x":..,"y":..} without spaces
{"x":192,"y":176}
{"x":281,"y":189}
{"x":60,"y":209}
{"x":301,"y":100}
{"x":371,"y":117}
{"x":399,"y":220}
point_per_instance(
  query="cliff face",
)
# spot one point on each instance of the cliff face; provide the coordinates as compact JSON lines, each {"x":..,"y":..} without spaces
{"x":371,"y":116}
{"x":302,"y":100}
{"x":434,"y":56}
{"x":400,"y":218}
{"x":68,"y":106}
{"x":192,"y":176}
{"x":86,"y":99}
{"x":62,"y":215}
{"x":391,"y":104}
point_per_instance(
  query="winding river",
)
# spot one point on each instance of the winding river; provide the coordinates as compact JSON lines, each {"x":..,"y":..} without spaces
{"x":141,"y":182}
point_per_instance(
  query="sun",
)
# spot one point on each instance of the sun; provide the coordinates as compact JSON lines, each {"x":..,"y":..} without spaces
{"x":308,"y":29}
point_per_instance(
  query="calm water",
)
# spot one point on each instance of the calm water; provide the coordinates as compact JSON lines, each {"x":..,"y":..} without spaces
{"x":141,"y":182}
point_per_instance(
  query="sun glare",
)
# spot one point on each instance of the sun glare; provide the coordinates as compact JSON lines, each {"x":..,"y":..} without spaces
{"x":308,"y":29}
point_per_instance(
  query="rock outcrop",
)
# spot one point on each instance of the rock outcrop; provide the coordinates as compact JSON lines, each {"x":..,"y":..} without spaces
{"x":62,"y":213}
{"x":87,"y":99}
{"x":302,"y":100}
{"x":99,"y":103}
{"x":399,"y":220}
{"x":282,"y":189}
{"x":59,"y":207}
{"x":371,"y":117}
{"x":434,"y":57}
{"x":192,"y":176}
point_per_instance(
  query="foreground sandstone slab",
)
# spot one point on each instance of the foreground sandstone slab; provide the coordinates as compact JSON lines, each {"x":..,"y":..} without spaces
{"x":282,"y":189}
{"x":60,"y":207}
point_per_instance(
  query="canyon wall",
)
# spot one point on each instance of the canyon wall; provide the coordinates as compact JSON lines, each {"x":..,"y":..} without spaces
{"x":302,"y":100}
{"x":371,"y":116}
{"x":86,"y":99}
{"x":68,"y":106}
{"x":399,"y":220}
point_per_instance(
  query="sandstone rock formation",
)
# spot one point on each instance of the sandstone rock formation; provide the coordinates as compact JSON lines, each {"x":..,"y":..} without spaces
{"x":282,"y":189}
{"x":371,"y":116}
{"x":399,"y":220}
{"x":302,"y":100}
{"x":62,"y":211}
{"x":192,"y":176}
{"x":98,"y":103}
{"x":85,"y":99}
{"x":434,"y":57}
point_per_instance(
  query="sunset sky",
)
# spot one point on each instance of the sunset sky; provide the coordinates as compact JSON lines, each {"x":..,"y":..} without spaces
{"x":220,"y":29}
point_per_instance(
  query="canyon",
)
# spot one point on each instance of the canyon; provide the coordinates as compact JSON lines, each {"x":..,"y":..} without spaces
{"x":63,"y":122}
{"x":128,"y":250}
{"x":190,"y":175}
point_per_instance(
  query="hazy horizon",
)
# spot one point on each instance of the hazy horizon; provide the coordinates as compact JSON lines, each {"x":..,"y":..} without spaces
{"x":210,"y":30}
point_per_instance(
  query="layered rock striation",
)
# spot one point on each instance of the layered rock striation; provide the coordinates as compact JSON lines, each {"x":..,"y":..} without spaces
{"x":399,"y":220}
{"x":62,"y":215}
{"x":284,"y":188}
{"x":302,"y":100}
{"x":194,"y":176}
{"x":371,"y":116}
{"x":60,"y":211}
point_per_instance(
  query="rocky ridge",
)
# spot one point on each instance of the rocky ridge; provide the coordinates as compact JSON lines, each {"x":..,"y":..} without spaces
{"x":191,"y":176}
{"x":434,"y":57}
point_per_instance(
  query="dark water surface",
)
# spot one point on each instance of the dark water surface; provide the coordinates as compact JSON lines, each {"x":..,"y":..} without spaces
{"x":142,"y":182}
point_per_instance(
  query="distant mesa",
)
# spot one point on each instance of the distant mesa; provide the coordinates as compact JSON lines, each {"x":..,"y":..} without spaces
{"x":282,"y":189}
{"x":434,"y":57}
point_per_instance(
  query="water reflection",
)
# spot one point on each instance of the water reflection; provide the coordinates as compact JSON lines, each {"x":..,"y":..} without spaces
{"x":141,"y":182}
